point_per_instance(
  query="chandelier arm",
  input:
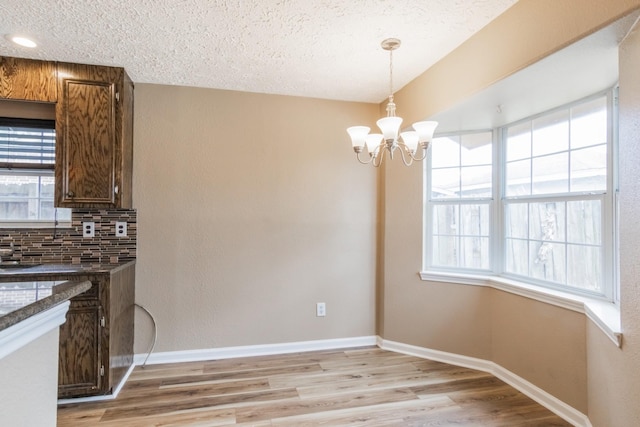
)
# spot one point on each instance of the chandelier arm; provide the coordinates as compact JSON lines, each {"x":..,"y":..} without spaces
{"x":381,"y":153}
{"x":403,"y":152}
{"x":424,"y":156}
{"x":360,"y":160}
{"x":405,"y":149}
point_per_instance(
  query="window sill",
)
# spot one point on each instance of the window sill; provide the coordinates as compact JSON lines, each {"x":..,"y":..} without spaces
{"x":603,"y":314}
{"x":35,"y":224}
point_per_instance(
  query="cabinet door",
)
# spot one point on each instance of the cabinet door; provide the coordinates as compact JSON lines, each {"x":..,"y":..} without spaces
{"x":80,"y":367}
{"x":87,"y":137}
{"x":28,"y":80}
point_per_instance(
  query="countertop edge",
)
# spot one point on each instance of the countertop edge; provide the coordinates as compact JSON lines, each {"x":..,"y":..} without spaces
{"x":21,"y":314}
{"x":49,"y":271}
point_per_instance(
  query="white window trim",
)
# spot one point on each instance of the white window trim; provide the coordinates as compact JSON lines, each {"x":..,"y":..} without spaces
{"x":604,"y":314}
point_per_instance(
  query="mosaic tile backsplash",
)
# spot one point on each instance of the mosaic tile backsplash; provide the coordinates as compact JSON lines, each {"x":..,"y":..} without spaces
{"x":66,"y":245}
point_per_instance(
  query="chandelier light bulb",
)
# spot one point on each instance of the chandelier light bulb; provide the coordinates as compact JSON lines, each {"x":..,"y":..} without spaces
{"x":373,"y":141}
{"x":410,"y":139}
{"x":425,"y":130}
{"x":389,"y":127}
{"x":358,"y":134}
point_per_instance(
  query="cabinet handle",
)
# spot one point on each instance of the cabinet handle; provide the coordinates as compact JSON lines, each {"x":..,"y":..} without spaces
{"x":71,"y":194}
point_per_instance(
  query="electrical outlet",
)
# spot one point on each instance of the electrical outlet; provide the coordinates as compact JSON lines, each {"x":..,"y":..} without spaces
{"x":88,"y":229}
{"x":121,"y":229}
{"x":321,"y":309}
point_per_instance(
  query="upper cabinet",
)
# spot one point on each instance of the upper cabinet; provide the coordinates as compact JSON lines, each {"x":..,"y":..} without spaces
{"x":28,"y":80}
{"x":94,"y":137}
{"x":94,"y":126}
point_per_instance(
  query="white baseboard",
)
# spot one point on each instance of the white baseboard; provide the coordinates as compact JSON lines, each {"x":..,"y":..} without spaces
{"x":252,"y":350}
{"x":102,"y":397}
{"x":545,"y":399}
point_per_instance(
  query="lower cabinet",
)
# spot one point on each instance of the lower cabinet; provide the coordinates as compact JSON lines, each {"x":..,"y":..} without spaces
{"x":96,"y":341}
{"x":80,"y":366}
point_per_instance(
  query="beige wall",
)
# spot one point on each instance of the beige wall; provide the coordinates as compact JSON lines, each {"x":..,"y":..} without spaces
{"x":614,"y":374}
{"x":251,"y":208}
{"x":553,"y":348}
{"x":543,"y":344}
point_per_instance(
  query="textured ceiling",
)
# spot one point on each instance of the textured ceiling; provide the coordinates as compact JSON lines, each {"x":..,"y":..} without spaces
{"x":316,"y":48}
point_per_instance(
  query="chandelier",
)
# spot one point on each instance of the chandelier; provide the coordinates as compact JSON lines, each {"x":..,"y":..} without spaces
{"x":377,"y":144}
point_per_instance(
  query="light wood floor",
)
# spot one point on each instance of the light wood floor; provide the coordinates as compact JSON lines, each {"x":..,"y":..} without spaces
{"x":355,"y":387}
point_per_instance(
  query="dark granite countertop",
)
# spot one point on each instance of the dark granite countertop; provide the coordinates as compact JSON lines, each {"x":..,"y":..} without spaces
{"x":52,"y":284}
{"x":60,"y":293}
{"x":12,"y":273}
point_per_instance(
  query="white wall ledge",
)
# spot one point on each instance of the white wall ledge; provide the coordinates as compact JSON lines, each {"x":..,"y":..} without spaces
{"x":605,"y":315}
{"x":21,"y":334}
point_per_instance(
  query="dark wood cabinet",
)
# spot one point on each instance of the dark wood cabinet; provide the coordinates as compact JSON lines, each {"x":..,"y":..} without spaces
{"x":94,"y":137}
{"x":28,"y":80}
{"x":96,"y":341}
{"x":94,"y":126}
{"x":80,"y":357}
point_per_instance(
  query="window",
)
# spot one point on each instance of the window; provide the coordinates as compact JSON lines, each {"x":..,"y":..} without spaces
{"x":27,"y":160}
{"x":543,"y":215}
{"x":461,"y":199}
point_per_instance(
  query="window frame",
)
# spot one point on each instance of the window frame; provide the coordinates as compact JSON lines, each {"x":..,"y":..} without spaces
{"x":39,"y":170}
{"x":498,"y":202}
{"x":429,"y":203}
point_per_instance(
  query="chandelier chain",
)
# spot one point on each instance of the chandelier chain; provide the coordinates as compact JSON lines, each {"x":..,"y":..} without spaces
{"x":391,"y":73}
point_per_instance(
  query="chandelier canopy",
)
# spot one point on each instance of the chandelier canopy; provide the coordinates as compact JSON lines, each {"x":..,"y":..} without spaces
{"x":378,"y":144}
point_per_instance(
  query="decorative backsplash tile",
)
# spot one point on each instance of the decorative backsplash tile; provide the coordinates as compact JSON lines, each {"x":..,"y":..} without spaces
{"x":67,"y":245}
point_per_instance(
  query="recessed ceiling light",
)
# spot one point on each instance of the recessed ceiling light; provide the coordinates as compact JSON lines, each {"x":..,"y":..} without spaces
{"x":21,"y":40}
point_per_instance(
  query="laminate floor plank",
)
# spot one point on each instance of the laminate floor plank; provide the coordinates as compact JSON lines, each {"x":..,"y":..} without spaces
{"x":160,"y":396}
{"x":383,"y":414}
{"x":192,"y":418}
{"x":209,"y":378}
{"x":167,"y":370}
{"x":332,"y":385}
{"x":309,"y":406}
{"x":232,"y":400}
{"x":80,"y":415}
{"x":349,"y":364}
{"x":278,"y":360}
{"x":460,"y":385}
{"x":355,"y":375}
{"x":350,"y":387}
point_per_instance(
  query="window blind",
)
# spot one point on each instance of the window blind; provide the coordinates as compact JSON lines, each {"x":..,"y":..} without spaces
{"x":27,"y":143}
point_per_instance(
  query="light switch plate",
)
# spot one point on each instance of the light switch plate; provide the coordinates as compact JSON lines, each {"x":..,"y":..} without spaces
{"x":121,"y":229}
{"x":88,"y":229}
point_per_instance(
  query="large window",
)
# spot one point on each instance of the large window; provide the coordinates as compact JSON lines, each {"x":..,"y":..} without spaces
{"x":27,"y":160}
{"x":543,"y":215}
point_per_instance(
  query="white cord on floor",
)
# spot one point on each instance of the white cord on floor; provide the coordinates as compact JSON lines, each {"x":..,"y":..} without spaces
{"x":155,"y":333}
